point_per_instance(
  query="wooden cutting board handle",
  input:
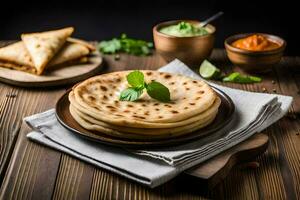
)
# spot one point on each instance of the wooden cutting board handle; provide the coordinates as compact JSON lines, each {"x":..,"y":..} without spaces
{"x":216,"y":169}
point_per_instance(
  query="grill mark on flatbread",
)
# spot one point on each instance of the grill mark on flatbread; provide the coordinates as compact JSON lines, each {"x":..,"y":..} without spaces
{"x":139,"y":117}
{"x":167,"y":76}
{"x":103,"y":88}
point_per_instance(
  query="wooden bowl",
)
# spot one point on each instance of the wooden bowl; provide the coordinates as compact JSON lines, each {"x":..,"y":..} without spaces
{"x":191,"y":50}
{"x":254,"y":61}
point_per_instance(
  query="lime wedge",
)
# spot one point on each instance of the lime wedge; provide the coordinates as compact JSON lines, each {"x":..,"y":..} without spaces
{"x":208,"y":70}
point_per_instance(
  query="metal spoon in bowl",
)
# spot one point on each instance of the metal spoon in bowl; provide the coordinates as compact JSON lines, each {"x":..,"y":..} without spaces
{"x":212,"y":18}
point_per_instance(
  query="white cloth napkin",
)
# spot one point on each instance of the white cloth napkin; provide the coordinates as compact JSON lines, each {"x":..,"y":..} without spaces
{"x":254,"y":112}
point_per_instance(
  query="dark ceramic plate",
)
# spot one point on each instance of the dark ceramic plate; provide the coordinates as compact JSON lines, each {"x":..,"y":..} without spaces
{"x":223,"y":118}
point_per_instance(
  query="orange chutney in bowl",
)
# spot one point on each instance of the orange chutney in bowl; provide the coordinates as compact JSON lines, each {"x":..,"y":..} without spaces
{"x":255,"y":42}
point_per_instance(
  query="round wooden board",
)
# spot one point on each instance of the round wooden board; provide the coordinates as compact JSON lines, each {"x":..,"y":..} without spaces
{"x":61,"y":76}
{"x":223,"y":118}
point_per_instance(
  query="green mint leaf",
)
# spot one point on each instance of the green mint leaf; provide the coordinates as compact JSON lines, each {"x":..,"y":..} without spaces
{"x":110,"y":46}
{"x":136,"y":79}
{"x":238,"y":78}
{"x":130,"y":94}
{"x":158,"y":91}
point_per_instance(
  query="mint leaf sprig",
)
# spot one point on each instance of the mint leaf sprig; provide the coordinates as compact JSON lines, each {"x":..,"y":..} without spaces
{"x":137,"y":82}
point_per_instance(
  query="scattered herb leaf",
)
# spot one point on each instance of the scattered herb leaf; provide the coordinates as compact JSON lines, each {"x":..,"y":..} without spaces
{"x":110,"y":46}
{"x":127,"y":45}
{"x":238,"y":78}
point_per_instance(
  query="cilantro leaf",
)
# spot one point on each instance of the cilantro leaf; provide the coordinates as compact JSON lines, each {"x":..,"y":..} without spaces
{"x":158,"y":91}
{"x":127,"y":45}
{"x":110,"y":47}
{"x":131,"y":94}
{"x":136,"y":79}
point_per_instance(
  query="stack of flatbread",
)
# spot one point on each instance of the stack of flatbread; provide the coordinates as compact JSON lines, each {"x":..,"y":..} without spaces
{"x":38,"y":52}
{"x":95,"y":105}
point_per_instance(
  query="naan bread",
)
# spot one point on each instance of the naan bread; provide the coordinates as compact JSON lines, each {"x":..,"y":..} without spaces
{"x":204,"y":116}
{"x":99,"y":98}
{"x":16,"y":53}
{"x":147,"y":125}
{"x":131,"y":133}
{"x":43,"y":46}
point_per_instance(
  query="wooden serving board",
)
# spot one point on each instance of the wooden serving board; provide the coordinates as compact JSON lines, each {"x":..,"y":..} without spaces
{"x":210,"y":173}
{"x":60,"y":76}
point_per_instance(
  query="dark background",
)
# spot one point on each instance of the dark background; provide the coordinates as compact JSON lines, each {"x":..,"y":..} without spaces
{"x":102,"y":19}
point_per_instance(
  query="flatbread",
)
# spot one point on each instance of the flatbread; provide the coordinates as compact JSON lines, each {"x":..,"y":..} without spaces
{"x":99,"y":97}
{"x":23,"y":68}
{"x":210,"y":113}
{"x":69,"y":52}
{"x":78,"y":61}
{"x":152,"y":135}
{"x":16,"y":56}
{"x":16,"y":53}
{"x":84,"y":43}
{"x":44,"y":45}
{"x":148,"y":125}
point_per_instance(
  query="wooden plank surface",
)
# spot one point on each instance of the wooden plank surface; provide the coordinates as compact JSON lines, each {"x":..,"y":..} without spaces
{"x":31,"y":171}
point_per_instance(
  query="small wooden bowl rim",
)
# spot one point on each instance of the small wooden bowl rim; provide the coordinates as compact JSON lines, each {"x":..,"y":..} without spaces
{"x":172,"y":22}
{"x":274,"y":38}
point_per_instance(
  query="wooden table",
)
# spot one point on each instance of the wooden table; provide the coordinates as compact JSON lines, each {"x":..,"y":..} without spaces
{"x":31,"y":171}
